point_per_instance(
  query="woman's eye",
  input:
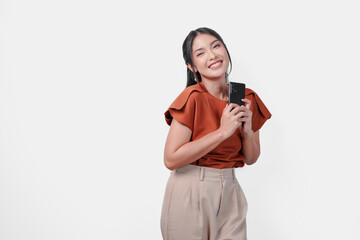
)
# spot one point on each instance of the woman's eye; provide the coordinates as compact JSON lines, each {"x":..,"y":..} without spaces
{"x":200,"y":54}
{"x":217,"y":45}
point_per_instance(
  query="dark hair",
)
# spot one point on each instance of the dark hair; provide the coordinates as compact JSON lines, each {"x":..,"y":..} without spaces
{"x":187,"y":53}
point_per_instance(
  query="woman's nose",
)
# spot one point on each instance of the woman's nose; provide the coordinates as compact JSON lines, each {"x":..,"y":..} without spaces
{"x":212,"y":55}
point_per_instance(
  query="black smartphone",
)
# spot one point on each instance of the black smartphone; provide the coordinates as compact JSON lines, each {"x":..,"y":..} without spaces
{"x":236,"y":93}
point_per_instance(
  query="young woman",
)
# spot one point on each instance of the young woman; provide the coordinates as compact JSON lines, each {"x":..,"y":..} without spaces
{"x":207,"y":140}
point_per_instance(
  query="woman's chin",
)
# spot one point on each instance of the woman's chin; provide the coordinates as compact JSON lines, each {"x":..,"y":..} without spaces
{"x":214,"y":74}
{"x":214,"y":77}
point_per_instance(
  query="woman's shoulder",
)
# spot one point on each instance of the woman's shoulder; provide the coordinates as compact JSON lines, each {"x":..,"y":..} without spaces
{"x":249,"y":91}
{"x":183,"y":106}
{"x":257,"y":105}
{"x":196,"y":88}
{"x":251,"y":94}
{"x":190,"y":92}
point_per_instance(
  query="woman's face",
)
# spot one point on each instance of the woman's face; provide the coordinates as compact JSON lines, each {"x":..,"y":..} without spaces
{"x":209,"y":57}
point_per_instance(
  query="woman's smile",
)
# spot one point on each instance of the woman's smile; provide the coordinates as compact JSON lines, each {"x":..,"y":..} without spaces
{"x":215,"y":65}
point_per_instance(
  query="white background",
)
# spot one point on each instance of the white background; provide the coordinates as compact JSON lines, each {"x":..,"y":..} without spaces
{"x":84,"y":86}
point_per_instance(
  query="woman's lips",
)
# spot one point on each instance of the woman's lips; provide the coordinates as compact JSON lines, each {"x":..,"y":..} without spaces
{"x":215,"y":65}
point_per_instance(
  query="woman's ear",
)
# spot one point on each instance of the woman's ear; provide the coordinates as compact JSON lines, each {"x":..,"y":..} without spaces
{"x":191,"y":69}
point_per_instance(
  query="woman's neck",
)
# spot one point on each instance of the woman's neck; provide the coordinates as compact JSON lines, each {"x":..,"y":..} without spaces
{"x":218,"y":88}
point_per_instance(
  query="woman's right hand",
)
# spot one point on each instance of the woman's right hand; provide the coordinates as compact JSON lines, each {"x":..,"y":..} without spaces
{"x":229,"y":121}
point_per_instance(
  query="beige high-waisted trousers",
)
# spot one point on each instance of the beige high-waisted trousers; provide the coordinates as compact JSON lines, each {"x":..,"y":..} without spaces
{"x":203,"y":203}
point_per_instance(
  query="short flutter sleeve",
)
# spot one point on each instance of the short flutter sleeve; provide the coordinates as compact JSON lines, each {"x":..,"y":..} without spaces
{"x":260,"y":113}
{"x":183,"y":108}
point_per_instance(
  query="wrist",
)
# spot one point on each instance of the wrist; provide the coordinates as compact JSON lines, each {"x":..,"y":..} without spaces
{"x":220,"y":134}
{"x":248,"y":135}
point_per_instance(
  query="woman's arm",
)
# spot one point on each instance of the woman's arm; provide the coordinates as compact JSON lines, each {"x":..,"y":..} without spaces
{"x":179,"y":150}
{"x":250,"y":147}
{"x":250,"y":140}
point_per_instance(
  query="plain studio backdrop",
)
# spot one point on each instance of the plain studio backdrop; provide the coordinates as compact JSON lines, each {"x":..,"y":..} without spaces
{"x":83,"y":90}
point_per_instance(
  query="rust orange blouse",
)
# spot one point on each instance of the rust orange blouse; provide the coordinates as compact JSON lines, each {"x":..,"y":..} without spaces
{"x":201,"y":111}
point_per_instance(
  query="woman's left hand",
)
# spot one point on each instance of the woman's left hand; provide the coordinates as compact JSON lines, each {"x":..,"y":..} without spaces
{"x":246,"y":117}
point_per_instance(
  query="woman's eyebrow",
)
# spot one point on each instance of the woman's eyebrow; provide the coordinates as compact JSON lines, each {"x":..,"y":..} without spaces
{"x":199,"y":49}
{"x":216,"y":40}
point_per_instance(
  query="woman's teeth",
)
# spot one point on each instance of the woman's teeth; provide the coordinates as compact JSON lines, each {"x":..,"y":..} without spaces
{"x":215,"y":65}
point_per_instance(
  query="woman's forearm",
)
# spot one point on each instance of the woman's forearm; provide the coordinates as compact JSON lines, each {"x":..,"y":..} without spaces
{"x":193,"y":150}
{"x":250,"y":147}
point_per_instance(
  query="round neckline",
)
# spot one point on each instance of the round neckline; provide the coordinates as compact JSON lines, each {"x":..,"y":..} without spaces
{"x":203,"y":86}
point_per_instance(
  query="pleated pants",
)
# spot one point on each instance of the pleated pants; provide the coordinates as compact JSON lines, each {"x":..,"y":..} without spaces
{"x":203,"y":203}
